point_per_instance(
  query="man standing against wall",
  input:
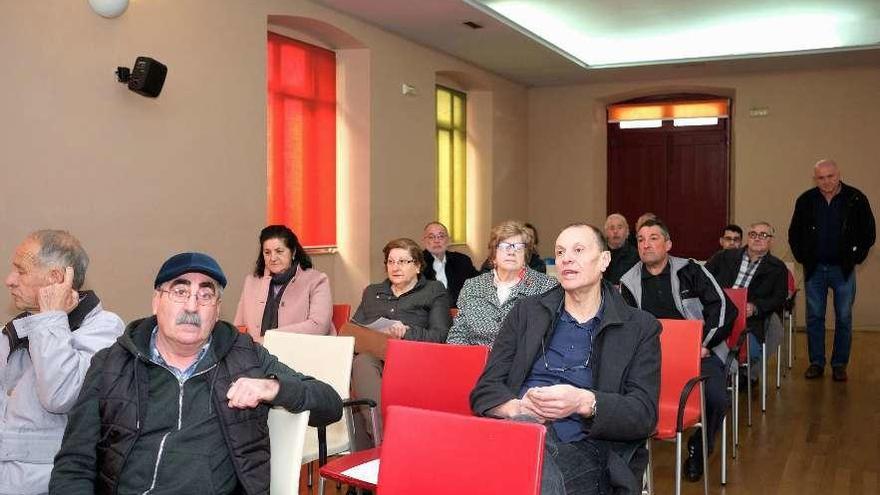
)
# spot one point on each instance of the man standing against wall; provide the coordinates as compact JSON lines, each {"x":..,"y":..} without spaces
{"x":831,"y":231}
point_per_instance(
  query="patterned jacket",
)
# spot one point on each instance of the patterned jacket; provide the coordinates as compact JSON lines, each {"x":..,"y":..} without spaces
{"x":480,"y":313}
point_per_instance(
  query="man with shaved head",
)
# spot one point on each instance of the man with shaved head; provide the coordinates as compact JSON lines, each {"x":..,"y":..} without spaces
{"x":831,"y":231}
{"x":580,"y":360}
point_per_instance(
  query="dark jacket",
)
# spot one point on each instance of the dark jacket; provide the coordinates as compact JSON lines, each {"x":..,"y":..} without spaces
{"x":626,"y":374}
{"x":767,"y":290}
{"x":424,"y":309}
{"x":697,"y":296}
{"x":622,"y":259}
{"x":459,"y":268}
{"x":857,"y":232}
{"x":134,"y":425}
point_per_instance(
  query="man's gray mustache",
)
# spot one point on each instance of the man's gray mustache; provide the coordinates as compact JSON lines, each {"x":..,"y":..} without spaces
{"x":187,"y":318}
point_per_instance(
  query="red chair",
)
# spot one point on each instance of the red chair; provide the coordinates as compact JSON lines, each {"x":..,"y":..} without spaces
{"x":681,"y":405}
{"x":453,"y":453}
{"x":341,"y":315}
{"x":735,"y":341}
{"x":437,"y":377}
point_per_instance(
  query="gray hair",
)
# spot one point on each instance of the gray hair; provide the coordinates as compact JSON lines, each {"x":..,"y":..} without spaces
{"x":60,"y":248}
{"x":764,"y":223}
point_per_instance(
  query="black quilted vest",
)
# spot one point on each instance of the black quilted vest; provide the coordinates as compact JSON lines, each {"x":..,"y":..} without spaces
{"x":123,"y":400}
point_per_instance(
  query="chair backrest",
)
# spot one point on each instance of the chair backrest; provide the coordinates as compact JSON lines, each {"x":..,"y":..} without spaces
{"x":438,"y":377}
{"x":452,"y":453}
{"x":341,"y":315}
{"x":740,"y":300}
{"x":680,"y":345}
{"x":287,"y":432}
{"x":327,"y":358}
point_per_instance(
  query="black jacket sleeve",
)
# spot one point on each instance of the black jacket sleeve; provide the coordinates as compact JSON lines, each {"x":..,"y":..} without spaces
{"x":299,"y":392}
{"x":719,"y":311}
{"x":866,"y":233}
{"x":631,"y":414}
{"x":773,"y":290}
{"x":800,"y":222}
{"x":439,"y":320}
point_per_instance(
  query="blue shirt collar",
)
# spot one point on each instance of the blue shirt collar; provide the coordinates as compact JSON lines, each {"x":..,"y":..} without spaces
{"x":181,"y":375}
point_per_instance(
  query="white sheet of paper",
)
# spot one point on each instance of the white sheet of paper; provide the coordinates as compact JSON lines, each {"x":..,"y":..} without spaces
{"x":381,"y":323}
{"x":368,"y":471}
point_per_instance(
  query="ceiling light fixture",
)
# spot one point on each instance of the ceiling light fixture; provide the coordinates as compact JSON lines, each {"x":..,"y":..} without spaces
{"x":109,"y":8}
{"x":600,"y":36}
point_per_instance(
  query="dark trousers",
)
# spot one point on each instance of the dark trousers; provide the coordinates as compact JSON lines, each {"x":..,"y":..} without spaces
{"x":577,"y":468}
{"x":716,"y":400}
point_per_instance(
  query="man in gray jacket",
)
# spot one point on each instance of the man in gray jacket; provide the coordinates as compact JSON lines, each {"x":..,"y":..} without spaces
{"x":44,"y":354}
{"x":675,"y":288}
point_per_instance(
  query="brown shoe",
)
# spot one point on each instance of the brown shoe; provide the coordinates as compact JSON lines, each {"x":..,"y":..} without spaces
{"x":838,"y":373}
{"x":814,"y":371}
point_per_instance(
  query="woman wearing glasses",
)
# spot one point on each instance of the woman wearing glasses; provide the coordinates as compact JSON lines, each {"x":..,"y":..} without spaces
{"x":284,"y":292}
{"x":485,"y":300}
{"x":418,"y":306}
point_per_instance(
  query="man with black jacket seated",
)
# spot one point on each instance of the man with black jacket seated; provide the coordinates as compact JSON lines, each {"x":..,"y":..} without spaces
{"x":179,"y":404}
{"x":447,"y":267}
{"x":677,"y":288}
{"x":764,"y":275}
{"x":578,"y":358}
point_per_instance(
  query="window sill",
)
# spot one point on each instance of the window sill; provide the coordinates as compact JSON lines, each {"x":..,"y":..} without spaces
{"x":316,"y":250}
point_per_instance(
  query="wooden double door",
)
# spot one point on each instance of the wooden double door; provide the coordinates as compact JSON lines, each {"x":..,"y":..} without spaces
{"x":682,"y":174}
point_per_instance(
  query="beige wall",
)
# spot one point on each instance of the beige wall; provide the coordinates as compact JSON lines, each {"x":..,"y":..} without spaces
{"x":822,"y":113}
{"x":138,"y":179}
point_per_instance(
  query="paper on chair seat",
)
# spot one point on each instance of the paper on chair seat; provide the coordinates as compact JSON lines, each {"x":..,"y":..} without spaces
{"x":368,"y":471}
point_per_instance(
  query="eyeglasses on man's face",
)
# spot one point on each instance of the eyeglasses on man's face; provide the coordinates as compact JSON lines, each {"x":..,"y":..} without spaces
{"x":436,"y":237}
{"x":511,"y":247}
{"x":181,"y":294}
{"x":760,"y":235}
{"x":391,"y":262}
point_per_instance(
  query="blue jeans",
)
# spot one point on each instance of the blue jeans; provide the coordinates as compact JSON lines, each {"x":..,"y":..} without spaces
{"x":823,"y":278}
{"x":577,"y":468}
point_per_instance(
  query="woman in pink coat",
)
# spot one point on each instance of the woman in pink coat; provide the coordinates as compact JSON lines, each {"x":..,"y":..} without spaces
{"x":284,"y":292}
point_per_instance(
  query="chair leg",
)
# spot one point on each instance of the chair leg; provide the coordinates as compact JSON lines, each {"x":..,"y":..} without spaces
{"x":736,"y":413}
{"x":678,"y":463}
{"x":764,"y":377}
{"x":320,"y":486}
{"x":779,"y":366}
{"x":724,"y":450}
{"x":703,"y":429}
{"x":649,"y":472}
{"x":792,"y":348}
{"x":749,"y":392}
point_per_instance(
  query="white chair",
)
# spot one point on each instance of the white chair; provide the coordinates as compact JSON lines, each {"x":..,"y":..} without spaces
{"x":287,"y":432}
{"x":327,"y":358}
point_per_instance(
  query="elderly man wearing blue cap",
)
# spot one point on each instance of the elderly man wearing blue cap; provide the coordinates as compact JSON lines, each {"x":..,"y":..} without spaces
{"x":180,"y":403}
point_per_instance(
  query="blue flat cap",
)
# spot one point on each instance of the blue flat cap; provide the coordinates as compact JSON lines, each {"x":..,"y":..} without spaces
{"x":182,"y":263}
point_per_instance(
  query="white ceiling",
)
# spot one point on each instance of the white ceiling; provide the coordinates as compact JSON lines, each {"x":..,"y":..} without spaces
{"x":848,"y":33}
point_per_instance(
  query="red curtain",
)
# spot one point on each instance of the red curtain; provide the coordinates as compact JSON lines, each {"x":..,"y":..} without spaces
{"x":302,"y":139}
